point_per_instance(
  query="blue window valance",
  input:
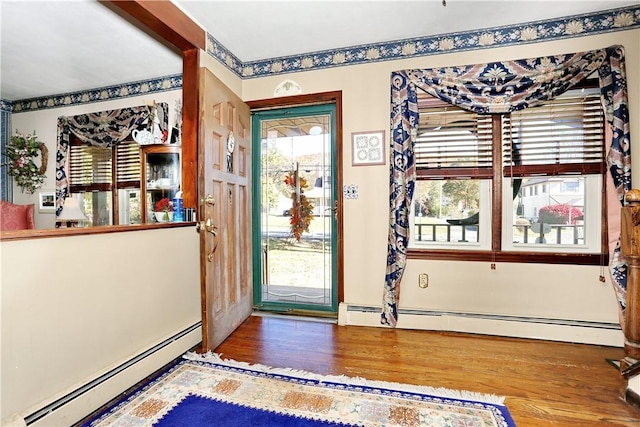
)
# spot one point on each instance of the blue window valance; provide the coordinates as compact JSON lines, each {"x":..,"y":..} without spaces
{"x":101,"y":129}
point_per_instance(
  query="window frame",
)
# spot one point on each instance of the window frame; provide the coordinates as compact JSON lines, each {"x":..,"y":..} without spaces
{"x":484,"y":223}
{"x":497,"y":253}
{"x":593,"y":204}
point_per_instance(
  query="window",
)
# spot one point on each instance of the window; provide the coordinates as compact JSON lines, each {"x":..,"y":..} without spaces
{"x":454,"y":162}
{"x":542,"y":166}
{"x":128,"y":175}
{"x":110,"y":195}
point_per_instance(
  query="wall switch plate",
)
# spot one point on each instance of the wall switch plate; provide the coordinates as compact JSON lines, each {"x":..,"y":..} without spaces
{"x":423,"y":280}
{"x":350,"y":191}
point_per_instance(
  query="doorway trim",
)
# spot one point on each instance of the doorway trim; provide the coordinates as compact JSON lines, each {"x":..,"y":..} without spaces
{"x":334,"y":97}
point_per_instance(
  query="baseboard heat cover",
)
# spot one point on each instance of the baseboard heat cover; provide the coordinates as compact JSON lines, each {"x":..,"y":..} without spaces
{"x":549,"y":321}
{"x":60,"y":402}
{"x":567,"y":330}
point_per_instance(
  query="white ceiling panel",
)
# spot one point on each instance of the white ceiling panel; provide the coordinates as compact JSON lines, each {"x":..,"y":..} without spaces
{"x":56,"y":47}
{"x":255,"y":30}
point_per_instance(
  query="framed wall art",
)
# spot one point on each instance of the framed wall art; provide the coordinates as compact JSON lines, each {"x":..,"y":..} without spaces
{"x":47,"y":202}
{"x":368,"y":148}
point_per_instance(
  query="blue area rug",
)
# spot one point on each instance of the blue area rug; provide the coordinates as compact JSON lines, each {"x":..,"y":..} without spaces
{"x":204,"y":390}
{"x":200,"y":411}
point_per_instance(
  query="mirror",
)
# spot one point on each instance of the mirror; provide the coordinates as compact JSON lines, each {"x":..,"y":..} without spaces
{"x":129,"y":61}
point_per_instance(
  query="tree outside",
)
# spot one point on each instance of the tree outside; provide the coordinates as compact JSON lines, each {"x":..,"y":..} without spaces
{"x":447,"y":198}
{"x":274,"y":168}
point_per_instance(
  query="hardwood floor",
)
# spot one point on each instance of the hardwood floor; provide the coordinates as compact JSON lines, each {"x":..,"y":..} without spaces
{"x":545,"y":383}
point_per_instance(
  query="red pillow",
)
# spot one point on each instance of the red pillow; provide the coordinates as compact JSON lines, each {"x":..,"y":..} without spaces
{"x":16,"y":217}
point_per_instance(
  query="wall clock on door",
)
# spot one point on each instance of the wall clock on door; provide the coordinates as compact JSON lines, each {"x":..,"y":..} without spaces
{"x":231,"y":144}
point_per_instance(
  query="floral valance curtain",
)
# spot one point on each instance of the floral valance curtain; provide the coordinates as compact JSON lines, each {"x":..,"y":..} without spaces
{"x":500,"y":87}
{"x":102,"y":129}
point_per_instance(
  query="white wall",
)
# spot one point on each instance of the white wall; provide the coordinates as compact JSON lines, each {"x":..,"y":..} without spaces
{"x":74,"y":307}
{"x":532,"y":290}
{"x":232,"y":81}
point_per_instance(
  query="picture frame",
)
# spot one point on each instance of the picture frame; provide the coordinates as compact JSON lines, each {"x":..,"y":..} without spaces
{"x":368,"y":148}
{"x":47,"y":202}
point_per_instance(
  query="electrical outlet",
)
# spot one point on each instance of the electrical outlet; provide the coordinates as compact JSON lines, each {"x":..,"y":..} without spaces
{"x":423,"y":280}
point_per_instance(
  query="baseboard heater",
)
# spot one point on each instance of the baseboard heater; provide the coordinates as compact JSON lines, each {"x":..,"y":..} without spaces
{"x":525,"y":319}
{"x":35,"y":416}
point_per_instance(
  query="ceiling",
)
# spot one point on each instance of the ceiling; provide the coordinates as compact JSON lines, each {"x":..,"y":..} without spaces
{"x":56,"y":47}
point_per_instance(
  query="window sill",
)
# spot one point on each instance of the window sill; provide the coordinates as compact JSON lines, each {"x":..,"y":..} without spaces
{"x":516,"y":257}
{"x":6,"y":236}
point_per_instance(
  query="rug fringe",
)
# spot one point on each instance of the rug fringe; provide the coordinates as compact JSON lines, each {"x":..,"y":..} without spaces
{"x":216,"y":358}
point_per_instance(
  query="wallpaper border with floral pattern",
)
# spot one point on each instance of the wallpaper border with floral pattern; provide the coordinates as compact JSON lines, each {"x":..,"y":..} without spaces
{"x":107,"y":93}
{"x":620,"y":19}
{"x":533,"y":32}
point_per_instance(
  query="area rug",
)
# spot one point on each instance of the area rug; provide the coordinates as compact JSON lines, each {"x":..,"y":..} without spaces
{"x":205,"y":390}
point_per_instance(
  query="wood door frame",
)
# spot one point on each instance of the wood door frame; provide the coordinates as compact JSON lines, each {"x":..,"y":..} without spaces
{"x":334,"y":97}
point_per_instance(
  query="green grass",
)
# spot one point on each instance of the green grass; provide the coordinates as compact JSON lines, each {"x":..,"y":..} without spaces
{"x":303,"y":263}
{"x":281,"y":223}
{"x":292,"y":263}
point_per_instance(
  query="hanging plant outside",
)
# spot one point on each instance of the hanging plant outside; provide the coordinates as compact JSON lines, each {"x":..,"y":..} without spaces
{"x":21,"y":154}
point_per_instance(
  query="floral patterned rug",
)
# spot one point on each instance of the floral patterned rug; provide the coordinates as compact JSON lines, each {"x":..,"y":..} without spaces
{"x":205,"y":390}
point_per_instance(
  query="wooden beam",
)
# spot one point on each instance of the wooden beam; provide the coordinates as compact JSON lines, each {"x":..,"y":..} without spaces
{"x":295,"y":100}
{"x":166,"y":20}
{"x":190,"y":118}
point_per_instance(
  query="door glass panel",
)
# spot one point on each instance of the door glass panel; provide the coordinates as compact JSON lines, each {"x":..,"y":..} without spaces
{"x":296,"y":188}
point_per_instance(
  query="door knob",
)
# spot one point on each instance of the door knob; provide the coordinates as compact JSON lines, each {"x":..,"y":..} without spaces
{"x":207,"y":226}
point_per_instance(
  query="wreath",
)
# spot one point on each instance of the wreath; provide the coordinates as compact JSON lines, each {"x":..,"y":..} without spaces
{"x":301,"y":208}
{"x":21,"y":153}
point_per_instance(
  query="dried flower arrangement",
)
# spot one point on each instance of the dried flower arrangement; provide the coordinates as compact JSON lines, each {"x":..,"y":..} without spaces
{"x":301,"y":208}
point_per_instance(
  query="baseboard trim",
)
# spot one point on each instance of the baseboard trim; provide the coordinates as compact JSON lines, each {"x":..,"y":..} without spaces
{"x":74,"y":405}
{"x":575,"y":331}
{"x":294,"y":316}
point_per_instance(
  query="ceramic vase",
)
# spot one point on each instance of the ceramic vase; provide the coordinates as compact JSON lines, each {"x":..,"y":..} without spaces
{"x":163,"y":216}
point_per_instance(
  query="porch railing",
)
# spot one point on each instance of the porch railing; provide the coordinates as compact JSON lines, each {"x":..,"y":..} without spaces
{"x":538,"y":233}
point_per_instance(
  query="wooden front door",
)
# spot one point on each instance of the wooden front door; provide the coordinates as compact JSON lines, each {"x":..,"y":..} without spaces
{"x":224,"y":210}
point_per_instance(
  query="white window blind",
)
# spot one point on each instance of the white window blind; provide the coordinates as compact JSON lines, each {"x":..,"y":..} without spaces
{"x":451,"y":142}
{"x":128,"y":165}
{"x":90,"y":168}
{"x":564,"y":136}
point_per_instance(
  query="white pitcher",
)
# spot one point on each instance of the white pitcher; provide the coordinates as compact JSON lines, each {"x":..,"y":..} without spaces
{"x":142,"y":137}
